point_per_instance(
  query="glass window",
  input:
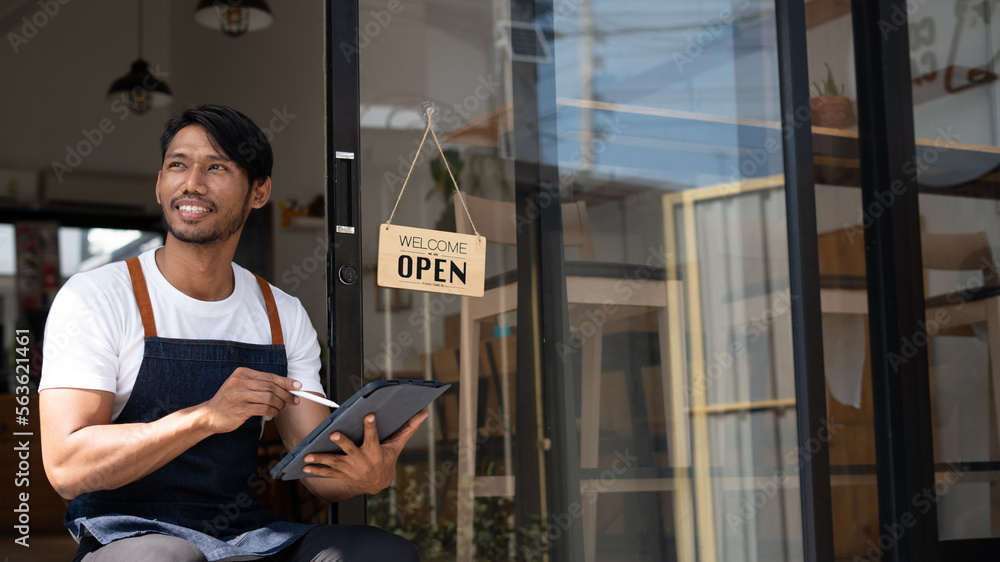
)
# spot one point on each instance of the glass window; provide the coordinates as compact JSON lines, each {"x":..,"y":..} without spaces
{"x":8,"y":264}
{"x":83,"y":249}
{"x":8,"y":299}
{"x":953,"y":50}
{"x":669,"y":134}
{"x":841,"y":219}
{"x":668,"y":149}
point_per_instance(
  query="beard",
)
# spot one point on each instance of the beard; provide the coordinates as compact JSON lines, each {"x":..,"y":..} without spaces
{"x":229,"y":224}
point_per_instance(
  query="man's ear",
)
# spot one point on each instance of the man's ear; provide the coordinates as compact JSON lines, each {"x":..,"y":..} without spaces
{"x":156,"y":189}
{"x":261,"y":193}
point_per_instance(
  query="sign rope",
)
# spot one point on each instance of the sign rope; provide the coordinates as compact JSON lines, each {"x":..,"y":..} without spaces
{"x":430,"y":129}
{"x":430,"y":260}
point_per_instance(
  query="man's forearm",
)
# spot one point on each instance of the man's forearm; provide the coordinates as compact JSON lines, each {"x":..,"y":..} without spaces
{"x":83,"y":451}
{"x":108,"y":456}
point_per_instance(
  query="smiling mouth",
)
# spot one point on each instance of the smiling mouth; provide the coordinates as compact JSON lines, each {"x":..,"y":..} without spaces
{"x":193,"y":209}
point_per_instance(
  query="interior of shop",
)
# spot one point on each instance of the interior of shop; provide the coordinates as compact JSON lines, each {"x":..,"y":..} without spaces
{"x":78,"y":176}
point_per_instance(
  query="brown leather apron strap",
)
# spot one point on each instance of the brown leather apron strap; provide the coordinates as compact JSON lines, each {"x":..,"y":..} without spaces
{"x":272,"y":312}
{"x":142,"y":296}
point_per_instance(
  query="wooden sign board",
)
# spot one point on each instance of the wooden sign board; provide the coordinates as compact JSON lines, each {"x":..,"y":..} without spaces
{"x":431,"y":260}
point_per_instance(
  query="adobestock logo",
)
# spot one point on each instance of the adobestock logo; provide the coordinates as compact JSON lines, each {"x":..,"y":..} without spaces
{"x":47,"y":9}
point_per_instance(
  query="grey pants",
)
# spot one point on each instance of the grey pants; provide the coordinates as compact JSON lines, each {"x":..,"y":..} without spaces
{"x":328,"y":543}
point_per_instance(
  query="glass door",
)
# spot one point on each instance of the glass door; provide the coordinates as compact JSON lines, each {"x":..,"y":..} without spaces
{"x":630,"y":386}
{"x":953,"y":56}
{"x":926,"y":148}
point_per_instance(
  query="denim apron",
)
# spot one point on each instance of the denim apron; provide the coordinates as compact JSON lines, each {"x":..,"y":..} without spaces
{"x":207,"y":495}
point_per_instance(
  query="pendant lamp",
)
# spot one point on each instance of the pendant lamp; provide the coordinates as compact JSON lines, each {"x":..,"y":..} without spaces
{"x":234,"y":17}
{"x":140,"y":88}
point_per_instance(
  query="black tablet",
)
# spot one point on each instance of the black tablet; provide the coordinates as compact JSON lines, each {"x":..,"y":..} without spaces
{"x":393,"y":402}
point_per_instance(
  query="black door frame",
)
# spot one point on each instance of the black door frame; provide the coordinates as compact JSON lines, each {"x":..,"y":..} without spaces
{"x":554,"y":458}
{"x":345,"y":374}
{"x":894,"y":271}
{"x":803,"y":271}
{"x":549,"y":466}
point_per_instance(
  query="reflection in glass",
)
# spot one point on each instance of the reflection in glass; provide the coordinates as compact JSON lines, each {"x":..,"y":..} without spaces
{"x":841,"y":219}
{"x":671,"y":137}
{"x":670,"y":166}
{"x":953,"y":51}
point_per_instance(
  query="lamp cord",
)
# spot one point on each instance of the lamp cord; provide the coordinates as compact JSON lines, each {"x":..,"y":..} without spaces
{"x":140,"y":30}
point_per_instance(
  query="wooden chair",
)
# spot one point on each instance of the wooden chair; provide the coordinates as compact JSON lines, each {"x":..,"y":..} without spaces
{"x":588,"y":283}
{"x":952,"y":313}
{"x":846,"y":292}
{"x":843,"y":290}
{"x":972,"y":303}
{"x":967,"y":304}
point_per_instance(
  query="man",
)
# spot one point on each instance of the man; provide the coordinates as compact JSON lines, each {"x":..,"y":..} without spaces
{"x":158,"y":372}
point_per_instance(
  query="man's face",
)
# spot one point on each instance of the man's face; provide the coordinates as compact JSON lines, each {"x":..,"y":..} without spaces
{"x":205,"y":196}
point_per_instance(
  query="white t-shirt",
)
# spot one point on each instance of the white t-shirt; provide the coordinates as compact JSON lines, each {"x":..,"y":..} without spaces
{"x":94,"y":337}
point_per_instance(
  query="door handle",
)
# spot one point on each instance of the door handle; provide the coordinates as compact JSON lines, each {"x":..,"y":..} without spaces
{"x":345,"y":192}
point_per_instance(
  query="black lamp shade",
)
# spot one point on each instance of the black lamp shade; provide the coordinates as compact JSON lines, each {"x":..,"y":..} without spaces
{"x":141,"y":89}
{"x":234,"y":17}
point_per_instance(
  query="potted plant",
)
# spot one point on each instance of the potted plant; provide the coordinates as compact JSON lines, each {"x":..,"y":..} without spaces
{"x":445,"y":188}
{"x":482,"y":171}
{"x":407,"y":514}
{"x":829,"y":106}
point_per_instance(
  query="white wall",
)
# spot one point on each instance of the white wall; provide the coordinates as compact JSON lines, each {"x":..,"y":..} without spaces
{"x":54,"y":87}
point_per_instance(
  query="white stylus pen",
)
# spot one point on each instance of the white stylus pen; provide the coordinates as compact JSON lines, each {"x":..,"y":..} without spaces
{"x":314,"y":398}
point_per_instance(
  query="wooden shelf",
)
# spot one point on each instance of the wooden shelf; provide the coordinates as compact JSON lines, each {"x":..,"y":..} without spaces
{"x":682,"y":145}
{"x":819,"y":12}
{"x":306,"y":223}
{"x":484,"y":130}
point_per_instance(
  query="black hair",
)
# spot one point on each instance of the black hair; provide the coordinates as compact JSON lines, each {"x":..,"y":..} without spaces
{"x":232,"y":133}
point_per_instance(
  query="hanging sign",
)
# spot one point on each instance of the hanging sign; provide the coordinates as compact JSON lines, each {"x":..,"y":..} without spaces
{"x":431,"y":260}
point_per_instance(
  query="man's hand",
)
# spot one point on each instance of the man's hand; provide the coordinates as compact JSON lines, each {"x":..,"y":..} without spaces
{"x":369,"y":468}
{"x":247,"y":393}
